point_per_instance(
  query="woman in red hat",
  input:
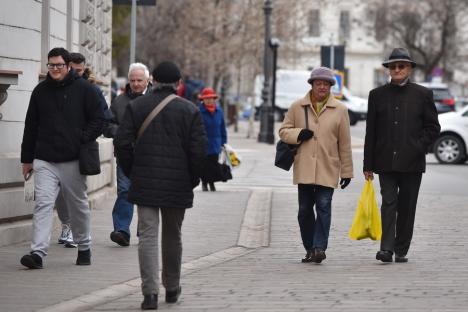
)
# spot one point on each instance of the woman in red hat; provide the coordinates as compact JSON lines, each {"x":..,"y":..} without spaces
{"x":213,"y":118}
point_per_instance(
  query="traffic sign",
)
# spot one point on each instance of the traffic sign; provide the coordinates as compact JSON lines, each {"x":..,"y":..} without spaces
{"x":337,"y":89}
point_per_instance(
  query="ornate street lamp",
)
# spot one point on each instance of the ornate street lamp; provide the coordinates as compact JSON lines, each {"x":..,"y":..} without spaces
{"x":266,"y":134}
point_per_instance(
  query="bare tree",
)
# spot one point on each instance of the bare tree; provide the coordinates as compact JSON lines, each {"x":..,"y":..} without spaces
{"x":429,"y":29}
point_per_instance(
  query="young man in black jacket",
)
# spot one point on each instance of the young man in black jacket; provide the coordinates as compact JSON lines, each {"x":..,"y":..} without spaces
{"x":164,"y":166}
{"x":401,"y":123}
{"x":63,"y":114}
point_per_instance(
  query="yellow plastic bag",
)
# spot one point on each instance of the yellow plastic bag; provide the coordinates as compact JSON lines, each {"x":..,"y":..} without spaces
{"x":367,"y":222}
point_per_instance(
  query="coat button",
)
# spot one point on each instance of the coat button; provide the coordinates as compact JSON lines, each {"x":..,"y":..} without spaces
{"x":396,"y":122}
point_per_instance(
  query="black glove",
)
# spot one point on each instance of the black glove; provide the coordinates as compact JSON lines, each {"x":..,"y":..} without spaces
{"x":305,"y":135}
{"x":344,"y":182}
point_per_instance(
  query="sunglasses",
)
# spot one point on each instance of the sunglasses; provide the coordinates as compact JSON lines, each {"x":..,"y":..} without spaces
{"x":395,"y":66}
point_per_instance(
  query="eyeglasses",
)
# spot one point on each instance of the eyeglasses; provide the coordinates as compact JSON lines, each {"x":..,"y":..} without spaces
{"x":57,"y":66}
{"x":399,"y":66}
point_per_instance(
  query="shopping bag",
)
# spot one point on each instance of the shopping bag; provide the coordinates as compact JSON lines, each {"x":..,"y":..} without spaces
{"x":234,"y":158}
{"x":367,"y":222}
{"x":29,"y":194}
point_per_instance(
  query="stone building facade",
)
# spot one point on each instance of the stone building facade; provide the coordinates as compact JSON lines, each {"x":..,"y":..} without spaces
{"x":28,"y":30}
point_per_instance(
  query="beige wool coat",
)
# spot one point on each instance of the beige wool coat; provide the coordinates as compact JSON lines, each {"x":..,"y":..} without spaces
{"x":326,"y":157}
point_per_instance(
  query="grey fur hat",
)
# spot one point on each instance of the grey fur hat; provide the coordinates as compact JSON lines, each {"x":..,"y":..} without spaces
{"x":322,"y":73}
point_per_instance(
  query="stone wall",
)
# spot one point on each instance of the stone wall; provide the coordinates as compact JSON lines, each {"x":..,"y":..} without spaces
{"x":28,"y":30}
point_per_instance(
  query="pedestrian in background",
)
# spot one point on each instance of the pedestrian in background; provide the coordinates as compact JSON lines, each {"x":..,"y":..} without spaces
{"x":163,"y":163}
{"x":78,"y":64}
{"x":401,"y":124}
{"x":320,"y":124}
{"x":213,"y":119}
{"x":63,"y":113}
{"x":122,"y":213}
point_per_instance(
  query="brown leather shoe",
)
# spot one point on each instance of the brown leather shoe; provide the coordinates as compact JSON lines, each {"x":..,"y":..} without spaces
{"x":319,"y":255}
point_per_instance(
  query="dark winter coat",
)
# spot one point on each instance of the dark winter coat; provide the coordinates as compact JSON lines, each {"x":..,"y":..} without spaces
{"x":165,"y":165}
{"x":215,"y":129}
{"x":401,"y":123}
{"x":61,"y":116}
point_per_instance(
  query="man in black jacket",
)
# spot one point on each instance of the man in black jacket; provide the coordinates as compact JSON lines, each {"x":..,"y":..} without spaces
{"x":164,"y":166}
{"x":63,"y":114}
{"x":122,"y":213}
{"x":401,"y":123}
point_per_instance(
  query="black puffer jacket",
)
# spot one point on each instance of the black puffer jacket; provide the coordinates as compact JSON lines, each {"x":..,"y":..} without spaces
{"x":61,"y":116}
{"x":165,"y":165}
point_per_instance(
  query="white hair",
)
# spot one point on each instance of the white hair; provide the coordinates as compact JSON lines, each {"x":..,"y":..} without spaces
{"x":141,"y":66}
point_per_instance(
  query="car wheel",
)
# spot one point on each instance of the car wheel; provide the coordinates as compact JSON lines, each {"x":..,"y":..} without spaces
{"x":352,"y":118}
{"x":449,"y":149}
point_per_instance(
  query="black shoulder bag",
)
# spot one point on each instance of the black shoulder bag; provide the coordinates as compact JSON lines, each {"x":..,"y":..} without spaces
{"x":285,"y":152}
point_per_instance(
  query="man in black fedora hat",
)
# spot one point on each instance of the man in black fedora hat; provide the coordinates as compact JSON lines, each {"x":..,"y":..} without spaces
{"x":401,"y":123}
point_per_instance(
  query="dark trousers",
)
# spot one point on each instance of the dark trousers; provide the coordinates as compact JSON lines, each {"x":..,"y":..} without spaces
{"x":399,"y":197}
{"x":314,"y":231}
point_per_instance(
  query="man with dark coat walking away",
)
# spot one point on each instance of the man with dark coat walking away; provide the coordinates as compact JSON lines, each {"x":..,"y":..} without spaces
{"x":401,"y":124}
{"x":163,"y":164}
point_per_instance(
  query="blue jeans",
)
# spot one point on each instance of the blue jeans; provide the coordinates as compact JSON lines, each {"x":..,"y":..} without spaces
{"x":314,"y":231}
{"x":123,"y":210}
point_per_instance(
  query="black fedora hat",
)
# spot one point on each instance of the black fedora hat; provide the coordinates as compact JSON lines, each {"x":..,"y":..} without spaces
{"x":399,"y":55}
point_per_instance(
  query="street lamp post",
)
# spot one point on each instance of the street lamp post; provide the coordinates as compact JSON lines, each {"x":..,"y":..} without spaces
{"x":274,"y":44}
{"x":266,"y":112}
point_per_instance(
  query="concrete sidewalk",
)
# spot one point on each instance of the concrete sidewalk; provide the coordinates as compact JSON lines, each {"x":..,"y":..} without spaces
{"x":242,"y":252}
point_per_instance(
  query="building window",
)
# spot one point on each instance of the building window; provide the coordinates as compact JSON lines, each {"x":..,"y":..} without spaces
{"x":314,"y":23}
{"x":345,"y":25}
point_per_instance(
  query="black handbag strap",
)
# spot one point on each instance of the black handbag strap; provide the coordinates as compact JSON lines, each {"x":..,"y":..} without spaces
{"x":306,"y":117}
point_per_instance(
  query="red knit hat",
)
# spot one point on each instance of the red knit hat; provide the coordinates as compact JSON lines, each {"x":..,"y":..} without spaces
{"x":208,"y":93}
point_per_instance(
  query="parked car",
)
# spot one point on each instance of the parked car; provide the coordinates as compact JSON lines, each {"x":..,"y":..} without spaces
{"x":451,"y":146}
{"x":443,"y":99}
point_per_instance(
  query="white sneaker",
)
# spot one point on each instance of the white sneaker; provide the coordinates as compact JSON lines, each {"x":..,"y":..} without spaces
{"x":66,"y":237}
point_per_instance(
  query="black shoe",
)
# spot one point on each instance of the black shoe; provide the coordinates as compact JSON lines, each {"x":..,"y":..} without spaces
{"x":400,"y":258}
{"x":309,"y":257}
{"x":384,"y":256}
{"x":319,"y":255}
{"x":84,"y":257}
{"x":150,"y":302}
{"x":212,"y":187}
{"x":173,"y":296}
{"x":120,"y":238}
{"x":204,"y":187}
{"x":32,"y":261}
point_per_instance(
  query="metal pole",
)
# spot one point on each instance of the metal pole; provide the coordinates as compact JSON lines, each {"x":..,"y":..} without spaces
{"x":266,"y":113}
{"x":133,"y":32}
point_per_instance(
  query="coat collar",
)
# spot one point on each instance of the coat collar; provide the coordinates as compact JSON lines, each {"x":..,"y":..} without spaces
{"x":331,"y":102}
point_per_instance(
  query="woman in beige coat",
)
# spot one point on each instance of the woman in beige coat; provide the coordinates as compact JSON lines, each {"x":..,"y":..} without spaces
{"x":323,"y":157}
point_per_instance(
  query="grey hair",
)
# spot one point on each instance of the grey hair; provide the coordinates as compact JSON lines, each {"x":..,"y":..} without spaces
{"x":141,"y":66}
{"x":160,"y":85}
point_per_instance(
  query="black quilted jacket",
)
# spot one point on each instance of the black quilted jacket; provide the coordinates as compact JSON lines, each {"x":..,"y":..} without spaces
{"x":165,"y":165}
